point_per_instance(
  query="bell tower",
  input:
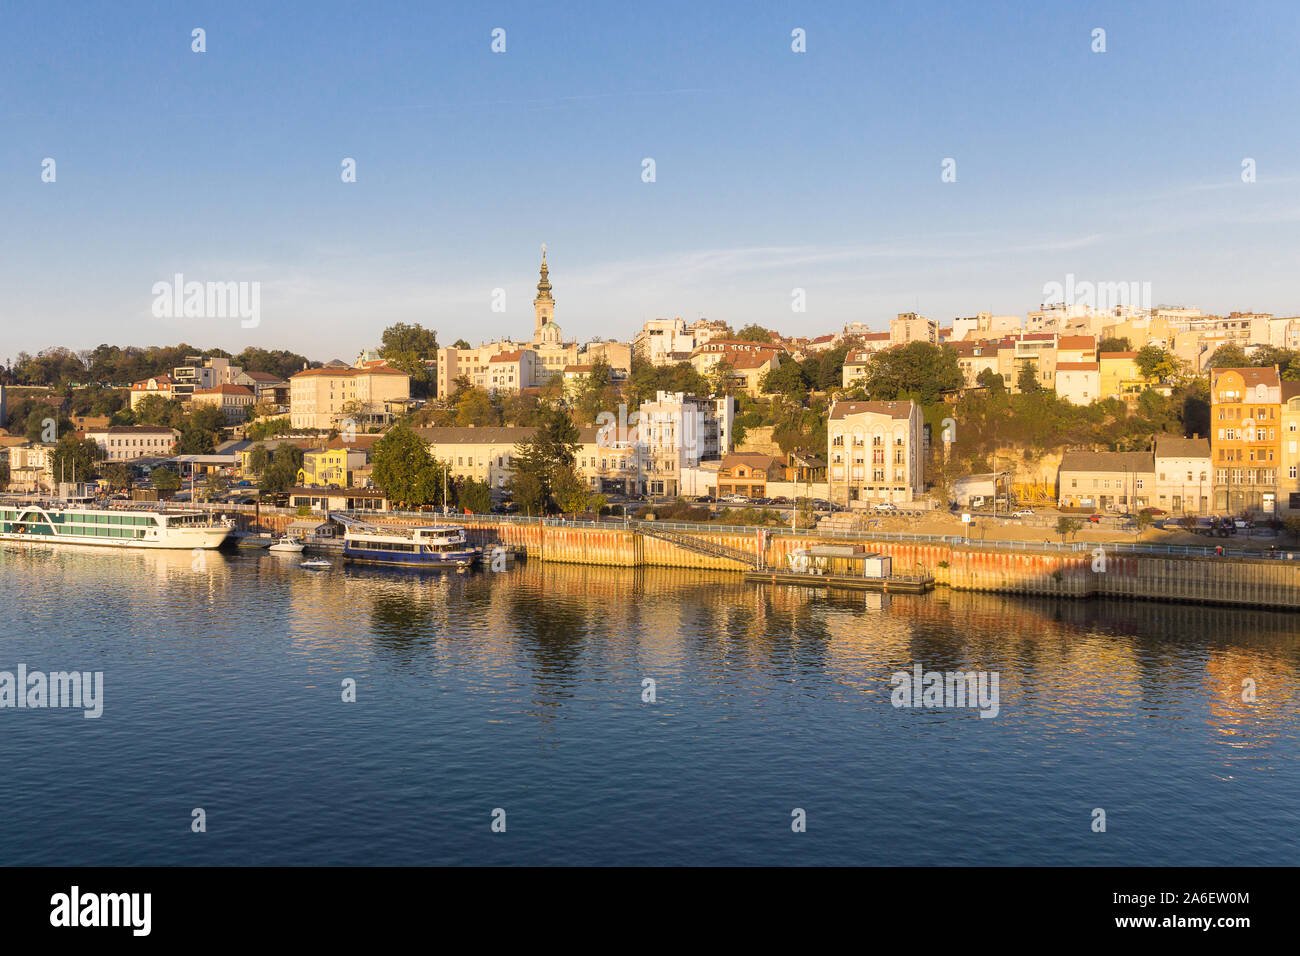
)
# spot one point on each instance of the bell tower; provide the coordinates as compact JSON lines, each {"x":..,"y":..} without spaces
{"x":543,"y":305}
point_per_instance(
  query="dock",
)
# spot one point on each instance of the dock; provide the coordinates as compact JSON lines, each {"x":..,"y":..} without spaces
{"x":893,"y":584}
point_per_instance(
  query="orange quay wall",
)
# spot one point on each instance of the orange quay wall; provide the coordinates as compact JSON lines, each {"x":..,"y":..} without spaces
{"x":1230,"y":581}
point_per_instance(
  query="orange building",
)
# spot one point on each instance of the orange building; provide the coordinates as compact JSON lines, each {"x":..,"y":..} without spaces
{"x":1246,"y":423}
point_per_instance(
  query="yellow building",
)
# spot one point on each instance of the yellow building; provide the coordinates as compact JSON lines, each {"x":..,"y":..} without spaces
{"x":1246,"y":423}
{"x":324,"y":398}
{"x":330,"y":466}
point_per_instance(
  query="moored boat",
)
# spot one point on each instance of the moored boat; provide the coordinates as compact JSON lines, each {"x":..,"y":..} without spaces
{"x":64,"y":523}
{"x":435,"y":546}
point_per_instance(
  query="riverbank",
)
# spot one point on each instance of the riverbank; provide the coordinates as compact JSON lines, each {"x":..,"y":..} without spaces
{"x":1081,"y":571}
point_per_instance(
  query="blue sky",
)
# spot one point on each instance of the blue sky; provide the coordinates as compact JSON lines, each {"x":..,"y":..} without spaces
{"x":774,"y":170}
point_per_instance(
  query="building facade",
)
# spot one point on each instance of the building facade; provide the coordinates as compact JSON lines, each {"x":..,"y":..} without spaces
{"x":1246,"y":420}
{"x":875,"y":452}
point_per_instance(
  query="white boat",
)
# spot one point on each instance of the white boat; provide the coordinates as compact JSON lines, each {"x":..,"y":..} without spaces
{"x":433,"y":546}
{"x":314,"y":563}
{"x":291,"y":545}
{"x":66,"y":523}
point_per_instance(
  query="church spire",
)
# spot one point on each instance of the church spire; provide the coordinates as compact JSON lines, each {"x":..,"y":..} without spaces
{"x":544,"y":285}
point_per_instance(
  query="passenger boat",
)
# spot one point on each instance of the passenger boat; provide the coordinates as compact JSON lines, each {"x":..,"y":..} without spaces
{"x":70,"y":523}
{"x":291,"y":545}
{"x":436,"y":546}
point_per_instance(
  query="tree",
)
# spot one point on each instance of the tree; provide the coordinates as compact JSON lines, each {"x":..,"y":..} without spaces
{"x":1144,"y":521}
{"x":754,"y":333}
{"x":570,"y":491}
{"x":410,"y":348}
{"x":474,"y":407}
{"x":918,"y":370}
{"x":527,"y":491}
{"x":74,"y":459}
{"x":259,"y":459}
{"x":214,"y":486}
{"x":461,"y":344}
{"x":165,"y":481}
{"x":405,"y":471}
{"x":991,"y":380}
{"x":1066,"y":527}
{"x":475,"y":496}
{"x":282,"y":472}
{"x":1027,"y":378}
{"x":786,"y":379}
{"x":546,"y":455}
{"x":1112,"y":344}
{"x":1228,"y":356}
{"x":1156,"y":363}
{"x":118,"y":475}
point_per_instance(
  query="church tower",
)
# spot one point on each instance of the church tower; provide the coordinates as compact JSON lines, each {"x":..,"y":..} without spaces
{"x":544,"y":327}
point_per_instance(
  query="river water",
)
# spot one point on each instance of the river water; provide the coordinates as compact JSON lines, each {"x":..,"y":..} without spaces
{"x":524,"y":692}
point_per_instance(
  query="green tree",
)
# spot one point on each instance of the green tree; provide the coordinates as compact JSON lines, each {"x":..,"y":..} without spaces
{"x":1066,"y":526}
{"x":754,"y":333}
{"x":1113,"y":344}
{"x":259,"y":459}
{"x":405,"y":471}
{"x":1027,"y":378}
{"x":918,"y":370}
{"x":282,"y":472}
{"x":991,"y":380}
{"x":786,"y":379}
{"x":1156,"y":363}
{"x":165,"y":481}
{"x":215,"y":486}
{"x":570,"y":491}
{"x":410,"y":348}
{"x":1228,"y":356}
{"x":74,"y":459}
{"x":550,"y":451}
{"x":118,"y":475}
{"x":528,"y":492}
{"x":475,"y":496}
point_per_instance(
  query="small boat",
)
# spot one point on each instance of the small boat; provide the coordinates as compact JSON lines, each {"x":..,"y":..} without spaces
{"x":313,"y":564}
{"x":288,"y":544}
{"x":434,"y":546}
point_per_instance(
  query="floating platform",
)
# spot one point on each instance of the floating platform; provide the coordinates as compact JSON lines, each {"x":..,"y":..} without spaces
{"x":894,"y":584}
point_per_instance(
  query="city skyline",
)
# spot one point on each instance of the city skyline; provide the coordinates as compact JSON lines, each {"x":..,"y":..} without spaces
{"x":225,"y":166}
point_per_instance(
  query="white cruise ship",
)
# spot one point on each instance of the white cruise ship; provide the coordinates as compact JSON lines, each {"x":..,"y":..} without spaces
{"x":64,"y":523}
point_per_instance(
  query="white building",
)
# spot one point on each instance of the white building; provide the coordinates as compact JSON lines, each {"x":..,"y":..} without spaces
{"x":127,"y":442}
{"x":677,"y":431}
{"x":875,"y":452}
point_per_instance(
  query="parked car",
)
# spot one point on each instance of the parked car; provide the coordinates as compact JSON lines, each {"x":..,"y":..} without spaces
{"x":885,"y":507}
{"x":1095,"y":518}
{"x":1023,"y":513}
{"x":1154,"y":512}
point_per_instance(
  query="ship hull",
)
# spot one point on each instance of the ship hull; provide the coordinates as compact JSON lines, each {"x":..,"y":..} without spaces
{"x":187,"y":539}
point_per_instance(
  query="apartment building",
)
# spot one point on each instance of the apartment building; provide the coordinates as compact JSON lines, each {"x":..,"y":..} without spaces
{"x":678,"y":431}
{"x":875,"y":452}
{"x":908,"y":327}
{"x":1246,"y":418}
{"x":199,"y":373}
{"x":323,"y":398}
{"x":985,"y":325}
{"x":1184,"y":474}
{"x":664,"y":341}
{"x":1036,"y":348}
